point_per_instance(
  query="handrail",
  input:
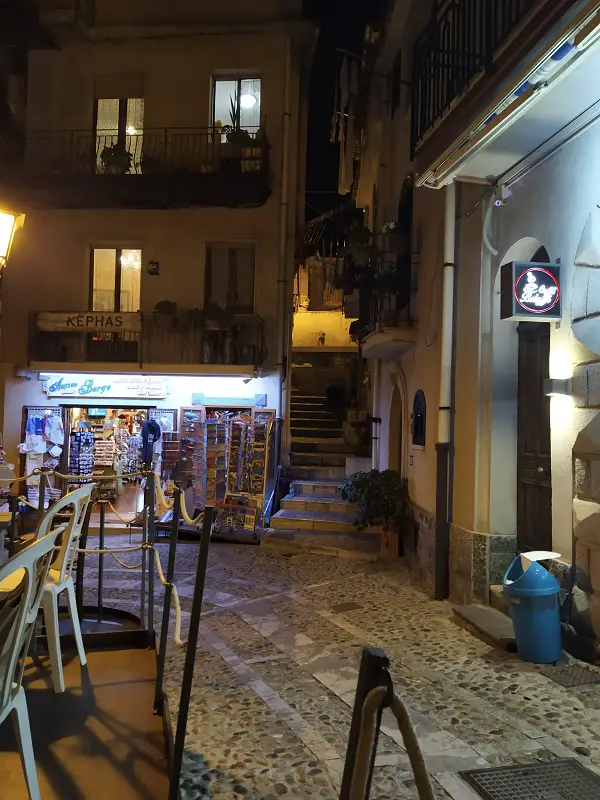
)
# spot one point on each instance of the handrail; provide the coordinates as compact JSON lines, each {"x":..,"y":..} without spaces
{"x":459,"y":43}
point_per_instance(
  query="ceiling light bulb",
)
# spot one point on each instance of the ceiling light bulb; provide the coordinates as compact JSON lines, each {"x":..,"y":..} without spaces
{"x":247,"y":100}
{"x":131,"y":130}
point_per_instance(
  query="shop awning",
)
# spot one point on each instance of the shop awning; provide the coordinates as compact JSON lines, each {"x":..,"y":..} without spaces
{"x":550,"y":101}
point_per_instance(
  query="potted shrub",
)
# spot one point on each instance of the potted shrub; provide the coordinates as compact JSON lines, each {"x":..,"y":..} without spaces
{"x":165,"y":315}
{"x":116,"y":159}
{"x":381,"y":499}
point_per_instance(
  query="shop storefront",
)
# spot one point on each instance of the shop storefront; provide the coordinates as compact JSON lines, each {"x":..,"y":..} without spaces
{"x":215,"y":435}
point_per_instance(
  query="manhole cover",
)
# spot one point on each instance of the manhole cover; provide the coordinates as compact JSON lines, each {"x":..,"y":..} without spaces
{"x":571,"y":675}
{"x":342,"y":607}
{"x":558,"y":780}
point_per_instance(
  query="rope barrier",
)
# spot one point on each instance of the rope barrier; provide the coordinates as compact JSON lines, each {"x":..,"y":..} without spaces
{"x":22,"y":478}
{"x":143,"y":474}
{"x":116,"y":513}
{"x":168,"y":505}
{"x":161,"y":576}
{"x":374,"y":702}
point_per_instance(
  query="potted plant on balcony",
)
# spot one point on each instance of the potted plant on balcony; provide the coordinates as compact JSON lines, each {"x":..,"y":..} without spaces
{"x":116,"y":159}
{"x":382,"y":499}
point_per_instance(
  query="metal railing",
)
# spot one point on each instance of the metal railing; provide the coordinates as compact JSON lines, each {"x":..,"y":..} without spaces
{"x":164,"y":339}
{"x":156,"y":151}
{"x":457,"y":45}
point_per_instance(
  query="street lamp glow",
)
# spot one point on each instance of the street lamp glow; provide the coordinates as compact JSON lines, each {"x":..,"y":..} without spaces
{"x":9,"y":224}
{"x":247,"y":100}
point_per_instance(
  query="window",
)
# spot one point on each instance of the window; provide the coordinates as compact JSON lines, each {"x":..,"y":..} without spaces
{"x":116,"y":280}
{"x":419,"y":419}
{"x":236,"y":102}
{"x":119,"y":135}
{"x":229,"y":277}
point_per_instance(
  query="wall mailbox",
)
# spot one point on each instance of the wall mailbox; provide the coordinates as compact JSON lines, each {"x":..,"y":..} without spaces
{"x":530,"y":291}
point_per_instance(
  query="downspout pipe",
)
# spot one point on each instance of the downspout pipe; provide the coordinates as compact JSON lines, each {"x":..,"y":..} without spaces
{"x":283,"y":276}
{"x":444,"y":445}
{"x":376,"y":421}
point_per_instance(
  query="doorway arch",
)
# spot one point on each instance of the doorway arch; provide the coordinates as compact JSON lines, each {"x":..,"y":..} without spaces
{"x":505,"y":394}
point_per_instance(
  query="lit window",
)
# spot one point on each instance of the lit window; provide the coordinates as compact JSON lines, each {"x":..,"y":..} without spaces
{"x":236,"y":103}
{"x":116,"y":279}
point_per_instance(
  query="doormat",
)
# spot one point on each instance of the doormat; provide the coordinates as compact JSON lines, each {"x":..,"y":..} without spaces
{"x":570,"y":675}
{"x":565,"y":779}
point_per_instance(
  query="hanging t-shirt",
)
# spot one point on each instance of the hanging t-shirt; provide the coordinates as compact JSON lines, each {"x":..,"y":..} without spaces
{"x":150,"y":435}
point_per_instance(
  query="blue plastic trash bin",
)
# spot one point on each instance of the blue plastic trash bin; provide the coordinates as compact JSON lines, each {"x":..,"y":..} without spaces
{"x":533,"y":599}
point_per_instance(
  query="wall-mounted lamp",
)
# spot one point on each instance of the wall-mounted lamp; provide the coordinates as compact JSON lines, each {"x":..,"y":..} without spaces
{"x":9,"y":224}
{"x":557,"y":387}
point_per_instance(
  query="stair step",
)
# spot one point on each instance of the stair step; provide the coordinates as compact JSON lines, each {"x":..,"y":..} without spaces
{"x":320,"y":488}
{"x":487,"y":624}
{"x":309,"y":422}
{"x":302,"y":444}
{"x":497,"y":599}
{"x":313,"y":520}
{"x":308,"y":413}
{"x":329,"y":503}
{"x":318,"y":433}
{"x":319,"y":459}
{"x":307,"y":398}
{"x":319,"y":473}
{"x":356,"y":545}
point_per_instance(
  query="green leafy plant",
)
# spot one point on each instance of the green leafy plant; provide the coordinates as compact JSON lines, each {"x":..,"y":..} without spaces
{"x":381,"y":499}
{"x":116,"y":159}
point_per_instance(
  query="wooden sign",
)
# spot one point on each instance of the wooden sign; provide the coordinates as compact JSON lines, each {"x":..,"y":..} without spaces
{"x":89,"y":321}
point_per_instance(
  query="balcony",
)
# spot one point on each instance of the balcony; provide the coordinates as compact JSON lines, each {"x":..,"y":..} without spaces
{"x":465,"y":42}
{"x":190,"y":341}
{"x":62,"y":17}
{"x":156,"y":168}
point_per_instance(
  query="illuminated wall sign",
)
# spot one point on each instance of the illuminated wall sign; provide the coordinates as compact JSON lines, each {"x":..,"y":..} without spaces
{"x":530,"y":291}
{"x":148,"y":387}
{"x":88,"y":321}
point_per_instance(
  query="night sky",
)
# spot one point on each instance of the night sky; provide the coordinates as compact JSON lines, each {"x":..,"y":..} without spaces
{"x":342,"y":24}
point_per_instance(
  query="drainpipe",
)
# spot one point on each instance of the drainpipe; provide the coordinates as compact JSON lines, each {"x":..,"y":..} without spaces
{"x":282,"y":280}
{"x":444,"y":443}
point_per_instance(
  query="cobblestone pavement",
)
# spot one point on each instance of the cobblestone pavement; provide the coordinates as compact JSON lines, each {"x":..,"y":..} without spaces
{"x":275,"y":676}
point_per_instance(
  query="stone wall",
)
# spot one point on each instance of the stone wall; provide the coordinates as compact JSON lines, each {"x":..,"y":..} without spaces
{"x":419,"y":548}
{"x":477,"y":561}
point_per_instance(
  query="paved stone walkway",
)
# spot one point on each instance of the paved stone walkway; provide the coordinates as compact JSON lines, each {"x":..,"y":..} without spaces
{"x":281,"y":637}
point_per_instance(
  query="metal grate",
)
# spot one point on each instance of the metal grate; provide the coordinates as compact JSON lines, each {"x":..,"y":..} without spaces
{"x":570,"y":675}
{"x":341,"y":608}
{"x":558,"y":780}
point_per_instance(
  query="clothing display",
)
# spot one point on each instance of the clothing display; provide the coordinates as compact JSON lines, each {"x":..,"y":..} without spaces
{"x":150,"y":435}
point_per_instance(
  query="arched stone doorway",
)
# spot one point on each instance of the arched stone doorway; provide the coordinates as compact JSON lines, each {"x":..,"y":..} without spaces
{"x":395,"y":443}
{"x":520,"y":479}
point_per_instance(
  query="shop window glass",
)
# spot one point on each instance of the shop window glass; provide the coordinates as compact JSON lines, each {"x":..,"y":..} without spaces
{"x":419,"y":419}
{"x":236,"y":102}
{"x":119,"y":126}
{"x":229,"y":277}
{"x":116,"y":279}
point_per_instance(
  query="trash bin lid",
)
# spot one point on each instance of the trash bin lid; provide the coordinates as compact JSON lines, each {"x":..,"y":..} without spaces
{"x":533,"y":582}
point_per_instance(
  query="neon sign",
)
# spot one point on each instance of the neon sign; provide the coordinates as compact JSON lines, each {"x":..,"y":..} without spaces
{"x":530,"y":291}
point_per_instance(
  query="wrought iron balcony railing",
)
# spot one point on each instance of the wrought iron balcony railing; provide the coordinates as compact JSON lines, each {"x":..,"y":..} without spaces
{"x":164,"y":151}
{"x":459,"y":44}
{"x":146,"y":338}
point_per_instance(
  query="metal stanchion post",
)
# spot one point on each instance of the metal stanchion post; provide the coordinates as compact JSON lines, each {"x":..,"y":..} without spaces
{"x":144,"y":554}
{"x":101,"y":560}
{"x":374,"y":666}
{"x":42,"y":494}
{"x":151,"y":491}
{"x":164,"y":627}
{"x":190,"y":656}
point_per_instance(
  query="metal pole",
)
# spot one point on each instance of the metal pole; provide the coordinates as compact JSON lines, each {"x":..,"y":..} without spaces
{"x":81,"y":561}
{"x":143,"y":586}
{"x":190,"y":656}
{"x":164,"y":626}
{"x":101,"y":562}
{"x":151,"y":489}
{"x":373,"y":672}
{"x":42,"y":495}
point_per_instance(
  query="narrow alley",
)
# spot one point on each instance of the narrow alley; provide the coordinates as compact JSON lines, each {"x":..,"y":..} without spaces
{"x":280,"y":643}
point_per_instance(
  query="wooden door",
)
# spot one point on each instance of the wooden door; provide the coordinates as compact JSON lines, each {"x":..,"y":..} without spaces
{"x":534,"y":477}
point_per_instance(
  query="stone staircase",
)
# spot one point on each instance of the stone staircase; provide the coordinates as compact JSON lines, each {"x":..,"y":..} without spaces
{"x":313,"y":516}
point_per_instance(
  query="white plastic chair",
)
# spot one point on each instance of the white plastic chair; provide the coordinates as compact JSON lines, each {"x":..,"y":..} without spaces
{"x":17,"y":623}
{"x":59,"y":577}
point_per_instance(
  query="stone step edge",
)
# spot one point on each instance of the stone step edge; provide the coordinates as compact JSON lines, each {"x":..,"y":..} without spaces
{"x":269,"y":542}
{"x":497,"y":599}
{"x":486,"y":624}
